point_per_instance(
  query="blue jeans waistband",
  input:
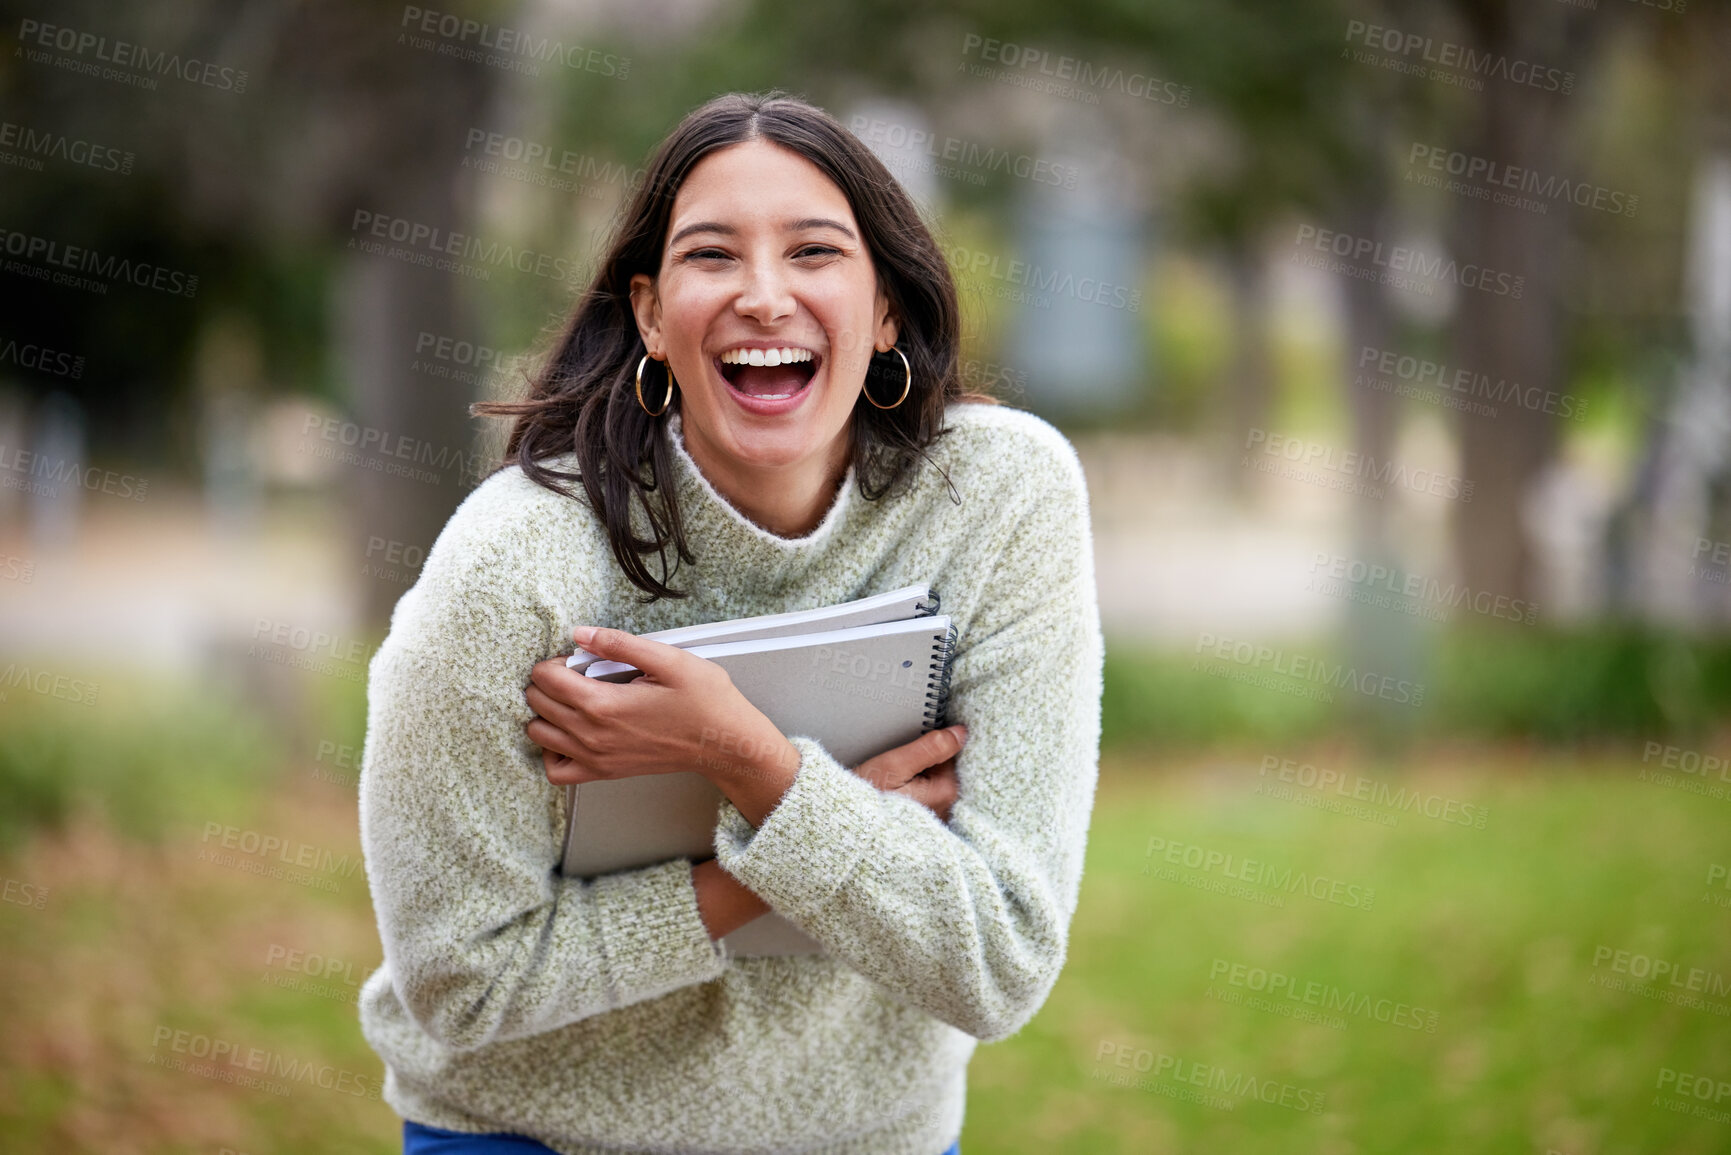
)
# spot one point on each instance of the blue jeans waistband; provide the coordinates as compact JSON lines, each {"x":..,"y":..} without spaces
{"x":422,"y":1140}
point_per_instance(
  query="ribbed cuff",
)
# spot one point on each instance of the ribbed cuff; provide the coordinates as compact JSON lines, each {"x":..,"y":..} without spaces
{"x":813,"y":840}
{"x":651,"y":933}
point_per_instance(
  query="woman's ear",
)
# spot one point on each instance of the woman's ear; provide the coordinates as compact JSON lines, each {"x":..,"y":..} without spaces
{"x":888,"y":327}
{"x":646,"y":307}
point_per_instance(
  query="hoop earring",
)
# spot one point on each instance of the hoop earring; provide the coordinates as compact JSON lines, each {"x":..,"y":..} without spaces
{"x":907,"y":384}
{"x":668,"y":400}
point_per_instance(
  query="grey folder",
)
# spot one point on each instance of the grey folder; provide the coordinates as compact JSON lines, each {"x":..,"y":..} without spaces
{"x":859,"y":690}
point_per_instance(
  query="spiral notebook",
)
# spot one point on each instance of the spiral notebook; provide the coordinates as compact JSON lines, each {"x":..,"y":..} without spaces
{"x":859,"y":689}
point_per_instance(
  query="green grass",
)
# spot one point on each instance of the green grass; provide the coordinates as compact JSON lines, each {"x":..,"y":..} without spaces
{"x":140,"y":754}
{"x":1493,"y":929}
{"x":1496,"y":930}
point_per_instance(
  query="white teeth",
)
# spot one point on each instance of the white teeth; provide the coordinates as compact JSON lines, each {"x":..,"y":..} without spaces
{"x":786,"y":355}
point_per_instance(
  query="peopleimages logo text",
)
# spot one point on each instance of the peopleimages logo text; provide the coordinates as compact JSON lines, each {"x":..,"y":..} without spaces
{"x":1316,"y":455}
{"x":1402,"y":259}
{"x":1484,"y":173}
{"x":1309,"y":668}
{"x":1039,"y":279}
{"x":495,"y":44}
{"x":435,"y":241}
{"x":124,"y":54}
{"x":1327,"y":996}
{"x":966,"y":153}
{"x":1454,"y":380}
{"x":1375,"y":578}
{"x":1459,"y":57}
{"x":36,"y":144}
{"x":58,"y":255}
{"x":1071,"y":70}
{"x":1359,"y":788}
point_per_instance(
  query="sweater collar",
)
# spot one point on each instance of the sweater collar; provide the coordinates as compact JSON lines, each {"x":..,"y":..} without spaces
{"x":721,"y":535}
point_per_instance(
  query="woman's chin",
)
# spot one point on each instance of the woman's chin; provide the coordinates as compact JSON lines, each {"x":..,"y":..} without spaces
{"x":773,"y":448}
{"x":768,"y":443}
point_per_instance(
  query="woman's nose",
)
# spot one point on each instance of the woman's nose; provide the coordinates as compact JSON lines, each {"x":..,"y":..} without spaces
{"x":766,"y":295}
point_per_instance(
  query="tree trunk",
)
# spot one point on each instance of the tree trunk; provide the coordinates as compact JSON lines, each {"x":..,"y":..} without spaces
{"x":422,"y":423}
{"x":386,"y":307}
{"x":1504,"y":336}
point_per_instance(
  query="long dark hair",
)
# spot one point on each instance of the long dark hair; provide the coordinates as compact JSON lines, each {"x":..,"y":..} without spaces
{"x":583,"y":399}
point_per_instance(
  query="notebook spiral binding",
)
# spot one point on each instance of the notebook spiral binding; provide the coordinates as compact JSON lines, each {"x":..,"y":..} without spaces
{"x":928,"y":606}
{"x":938,"y":697}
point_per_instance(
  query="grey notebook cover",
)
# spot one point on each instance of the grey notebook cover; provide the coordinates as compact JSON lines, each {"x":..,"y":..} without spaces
{"x":859,"y":691}
{"x":894,"y":606}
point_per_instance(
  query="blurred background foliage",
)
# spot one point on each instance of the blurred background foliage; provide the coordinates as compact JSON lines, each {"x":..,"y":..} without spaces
{"x":1260,"y":127}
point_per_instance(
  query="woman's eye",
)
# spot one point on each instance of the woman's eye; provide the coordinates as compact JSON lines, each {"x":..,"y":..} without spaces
{"x":804,"y":252}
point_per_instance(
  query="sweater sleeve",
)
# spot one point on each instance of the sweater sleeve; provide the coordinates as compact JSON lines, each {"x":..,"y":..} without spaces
{"x":968,"y":922}
{"x":485,"y":941}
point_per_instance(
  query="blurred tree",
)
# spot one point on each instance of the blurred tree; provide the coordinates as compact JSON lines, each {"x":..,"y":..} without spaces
{"x":1681,"y":495}
{"x":1518,"y":338}
{"x":256,"y":191}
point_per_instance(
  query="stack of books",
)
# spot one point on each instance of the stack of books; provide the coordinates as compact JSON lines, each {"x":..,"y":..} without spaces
{"x":861,"y":677}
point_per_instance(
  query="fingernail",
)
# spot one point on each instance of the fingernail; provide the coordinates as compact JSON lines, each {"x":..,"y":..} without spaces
{"x":961,"y":731}
{"x":583,"y":635}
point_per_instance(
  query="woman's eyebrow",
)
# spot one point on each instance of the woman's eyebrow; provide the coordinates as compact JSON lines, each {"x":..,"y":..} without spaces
{"x":821,"y":223}
{"x":792,"y":226}
{"x":703,"y":227}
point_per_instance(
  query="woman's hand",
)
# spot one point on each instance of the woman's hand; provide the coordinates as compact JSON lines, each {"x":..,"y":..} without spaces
{"x":680,"y":715}
{"x":685,"y":713}
{"x":924,"y":769}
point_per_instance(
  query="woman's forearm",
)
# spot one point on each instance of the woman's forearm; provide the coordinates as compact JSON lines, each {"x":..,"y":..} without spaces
{"x":723,"y":902}
{"x":754,"y":771}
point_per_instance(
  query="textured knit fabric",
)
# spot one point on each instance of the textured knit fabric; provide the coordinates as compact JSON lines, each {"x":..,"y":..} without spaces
{"x":597,"y":1016}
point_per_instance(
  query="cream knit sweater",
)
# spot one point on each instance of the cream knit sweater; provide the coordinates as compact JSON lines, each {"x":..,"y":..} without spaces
{"x":598,"y":1017}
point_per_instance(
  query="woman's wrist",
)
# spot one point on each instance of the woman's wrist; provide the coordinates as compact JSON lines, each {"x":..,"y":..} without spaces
{"x":723,"y":902}
{"x":752,"y":770}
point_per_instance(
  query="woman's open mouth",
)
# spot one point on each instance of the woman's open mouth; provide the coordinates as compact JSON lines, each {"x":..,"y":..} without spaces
{"x":768,"y":380}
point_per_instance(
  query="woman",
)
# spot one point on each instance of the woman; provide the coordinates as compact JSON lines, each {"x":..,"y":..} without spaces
{"x":519,"y":1010}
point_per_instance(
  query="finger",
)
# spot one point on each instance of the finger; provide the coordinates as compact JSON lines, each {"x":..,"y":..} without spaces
{"x":936,"y":790}
{"x":928,"y":783}
{"x":552,"y":710}
{"x":936,"y":747}
{"x":892,"y":768}
{"x":944,"y":789}
{"x":563,"y":771}
{"x":943,"y":778}
{"x":561,"y":683}
{"x":550,"y":737}
{"x":659,"y":660}
{"x":889,"y":770}
{"x":916,"y":788}
{"x":945,"y":743}
{"x":918,"y":774}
